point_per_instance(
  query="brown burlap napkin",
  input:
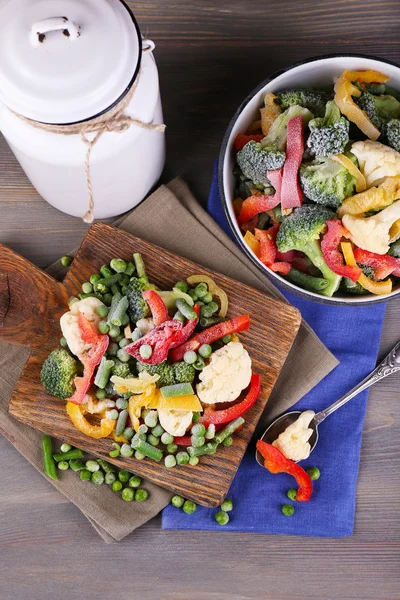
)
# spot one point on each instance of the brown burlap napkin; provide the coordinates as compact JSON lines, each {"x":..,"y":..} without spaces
{"x":173,"y":219}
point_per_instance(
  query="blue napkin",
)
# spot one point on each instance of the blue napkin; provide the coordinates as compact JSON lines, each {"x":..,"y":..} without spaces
{"x":352,"y":334}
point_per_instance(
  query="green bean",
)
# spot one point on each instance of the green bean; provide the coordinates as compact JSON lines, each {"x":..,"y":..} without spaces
{"x":107,"y":299}
{"x":178,"y":316}
{"x":91,"y":295}
{"x":185,"y":308}
{"x":70,"y":455}
{"x":130,"y":269}
{"x":199,"y":364}
{"x":121,"y":422}
{"x":94,"y":278}
{"x":77,"y":465}
{"x":190,"y":357}
{"x":176,"y":389}
{"x":158,"y":431}
{"x":207,"y":298}
{"x":102,"y":311}
{"x":107,"y":468}
{"x":308,"y":282}
{"x":209,"y":448}
{"x":118,"y":311}
{"x":209,"y":321}
{"x":228,"y":441}
{"x":140,"y":268}
{"x":66,"y":261}
{"x":103,"y":373}
{"x":105,"y":271}
{"x":201,"y":290}
{"x":147,"y":449}
{"x":229,"y":429}
{"x":151,"y":418}
{"x":115,"y":289}
{"x":205,"y":351}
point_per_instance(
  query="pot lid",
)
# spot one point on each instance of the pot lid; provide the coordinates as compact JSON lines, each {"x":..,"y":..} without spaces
{"x":64,"y":61}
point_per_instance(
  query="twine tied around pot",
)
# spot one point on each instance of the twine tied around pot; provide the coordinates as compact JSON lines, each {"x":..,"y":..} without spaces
{"x":114,"y":120}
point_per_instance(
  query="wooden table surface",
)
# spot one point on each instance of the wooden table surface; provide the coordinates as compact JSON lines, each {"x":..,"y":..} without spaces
{"x":210,"y":54}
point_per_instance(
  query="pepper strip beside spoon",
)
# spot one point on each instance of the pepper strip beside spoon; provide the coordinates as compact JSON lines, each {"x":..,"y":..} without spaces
{"x":389,"y":365}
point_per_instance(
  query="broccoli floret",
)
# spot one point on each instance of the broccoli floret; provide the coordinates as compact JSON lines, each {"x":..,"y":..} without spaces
{"x":395,"y":249}
{"x":256,"y":158}
{"x":326,"y":181}
{"x":393,"y":134}
{"x":301,"y":231}
{"x":380,"y":109}
{"x":328,"y":134}
{"x":121,"y":370}
{"x":353,"y":287}
{"x":183,"y":373}
{"x":314,"y":100}
{"x":164,"y":370}
{"x":138,"y":307}
{"x":58,"y":373}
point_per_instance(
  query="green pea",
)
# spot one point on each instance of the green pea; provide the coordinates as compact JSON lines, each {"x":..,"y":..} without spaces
{"x":123,"y":476}
{"x":177,"y":501}
{"x":128,"y":495}
{"x":287,"y":509}
{"x":157,"y":431}
{"x":207,"y":298}
{"x":201,"y":290}
{"x":63,"y":465}
{"x":192,"y":294}
{"x":100,"y":394}
{"x":63,"y":342}
{"x":121,"y":403}
{"x":139,"y":455}
{"x":170,"y":461}
{"x":190,"y":357}
{"x":194,"y":460}
{"x":92,"y":466}
{"x":182,"y":458}
{"x":128,"y":433}
{"x":151,"y":418}
{"x":182,"y":286}
{"x":153,"y":440}
{"x":227,"y":505}
{"x":135,"y":481}
{"x":66,"y":261}
{"x":110,"y":478}
{"x":143,"y":428}
{"x":228,"y":441}
{"x":126,"y":450}
{"x":123,"y":343}
{"x":107,"y":299}
{"x":114,"y":331}
{"x":189,"y":507}
{"x":85,"y":475}
{"x":113,"y":414}
{"x":146,"y":351}
{"x":123,"y":356}
{"x":314,"y":473}
{"x":227,"y":338}
{"x":172,"y":448}
{"x":198,"y":441}
{"x":222,"y":517}
{"x":94,"y":278}
{"x":117,"y":450}
{"x":118,"y":265}
{"x":167,"y":438}
{"x":198,"y":430}
{"x":112,"y":349}
{"x":87,"y":288}
{"x":116,"y":486}
{"x":103,"y":327}
{"x":196,"y":417}
{"x":97,"y":478}
{"x":291,"y":494}
{"x":205,"y":351}
{"x":65,"y":447}
{"x":102,"y":311}
{"x":199,"y":364}
{"x":141,"y":495}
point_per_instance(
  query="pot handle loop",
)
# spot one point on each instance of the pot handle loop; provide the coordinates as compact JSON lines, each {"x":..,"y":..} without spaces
{"x":148,"y":45}
{"x":41,"y":28}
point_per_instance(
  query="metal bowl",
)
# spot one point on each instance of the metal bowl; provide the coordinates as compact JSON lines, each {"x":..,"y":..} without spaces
{"x":314,"y":72}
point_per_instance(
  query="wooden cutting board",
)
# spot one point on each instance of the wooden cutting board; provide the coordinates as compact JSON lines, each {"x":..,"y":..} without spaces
{"x":32,"y":302}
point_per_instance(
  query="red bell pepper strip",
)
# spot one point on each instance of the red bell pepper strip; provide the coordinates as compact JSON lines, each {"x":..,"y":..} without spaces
{"x":220,"y":417}
{"x":276,"y":462}
{"x":383,"y":264}
{"x":255,"y":205}
{"x":90,"y":360}
{"x":210,"y":335}
{"x":291,"y":193}
{"x":330,"y":249}
{"x":269,"y":251}
{"x":184,"y":440}
{"x":162,"y":338}
{"x":242,"y":139}
{"x":157,"y":306}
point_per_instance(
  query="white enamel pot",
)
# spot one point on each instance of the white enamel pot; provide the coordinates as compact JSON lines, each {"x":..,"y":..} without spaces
{"x":315,"y":72}
{"x":68,"y":69}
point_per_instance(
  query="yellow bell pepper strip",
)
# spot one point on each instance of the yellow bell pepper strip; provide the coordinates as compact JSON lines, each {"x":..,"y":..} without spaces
{"x":77,"y":416}
{"x":375,"y":287}
{"x":344,"y":90}
{"x":253,"y":243}
{"x":214,"y":290}
{"x":394,"y":232}
{"x":375,"y":198}
{"x":361,"y":184}
{"x":120,"y":439}
{"x":136,"y":403}
{"x":269,"y":113}
{"x":136,"y":385}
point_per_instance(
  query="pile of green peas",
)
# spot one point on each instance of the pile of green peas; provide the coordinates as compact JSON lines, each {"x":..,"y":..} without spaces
{"x":189,"y":507}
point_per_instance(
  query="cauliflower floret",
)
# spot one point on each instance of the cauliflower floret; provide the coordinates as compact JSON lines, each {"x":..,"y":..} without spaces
{"x":376,"y":160}
{"x":70,"y":327}
{"x":227,"y":374}
{"x":293,"y":442}
{"x":373,"y":233}
{"x":175,"y":422}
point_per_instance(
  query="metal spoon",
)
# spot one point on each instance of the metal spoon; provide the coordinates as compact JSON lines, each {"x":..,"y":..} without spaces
{"x":387,"y":367}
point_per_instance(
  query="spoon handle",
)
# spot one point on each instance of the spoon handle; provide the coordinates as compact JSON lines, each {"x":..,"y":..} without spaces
{"x":389,"y":365}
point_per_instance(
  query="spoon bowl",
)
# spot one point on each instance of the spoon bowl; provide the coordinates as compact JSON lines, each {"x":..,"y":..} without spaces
{"x":282,"y":423}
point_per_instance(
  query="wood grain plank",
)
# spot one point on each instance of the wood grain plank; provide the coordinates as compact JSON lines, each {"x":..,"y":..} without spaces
{"x":267,"y":345}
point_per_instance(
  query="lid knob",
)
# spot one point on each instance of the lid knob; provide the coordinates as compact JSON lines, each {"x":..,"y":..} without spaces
{"x":41,"y":28}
